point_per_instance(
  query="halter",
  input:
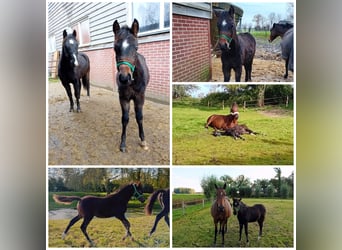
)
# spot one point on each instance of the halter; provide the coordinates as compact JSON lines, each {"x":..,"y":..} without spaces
{"x":131,"y":66}
{"x":136,"y":194}
{"x":229,"y":39}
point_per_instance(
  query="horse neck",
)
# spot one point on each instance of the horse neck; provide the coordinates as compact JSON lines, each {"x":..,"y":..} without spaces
{"x":123,"y":194}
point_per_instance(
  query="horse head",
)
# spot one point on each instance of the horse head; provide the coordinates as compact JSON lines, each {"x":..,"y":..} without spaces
{"x":279,"y":29}
{"x":70,"y":48}
{"x":221,"y":198}
{"x":226,"y":28}
{"x":138,"y":191}
{"x":236,"y":205}
{"x":125,"y":47}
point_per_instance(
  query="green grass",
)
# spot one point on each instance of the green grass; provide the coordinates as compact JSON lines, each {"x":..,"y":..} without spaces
{"x":109,"y":232}
{"x":195,"y":145}
{"x":195,"y":228}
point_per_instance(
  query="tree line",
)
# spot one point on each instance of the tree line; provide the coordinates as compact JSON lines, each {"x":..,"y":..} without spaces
{"x":241,"y":186}
{"x":106,"y":179}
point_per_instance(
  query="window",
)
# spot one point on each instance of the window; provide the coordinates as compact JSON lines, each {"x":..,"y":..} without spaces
{"x":83,"y":33}
{"x":153,"y":16}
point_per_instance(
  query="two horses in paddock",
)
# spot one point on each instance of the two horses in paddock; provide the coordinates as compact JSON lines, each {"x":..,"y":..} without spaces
{"x":285,"y":31}
{"x":163,"y":196}
{"x":73,"y":67}
{"x":102,"y":207}
{"x":221,"y":210}
{"x":246,"y":214}
{"x":132,"y":77}
{"x":237,"y":49}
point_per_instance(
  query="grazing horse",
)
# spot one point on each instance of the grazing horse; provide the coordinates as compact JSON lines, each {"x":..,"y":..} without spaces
{"x":237,"y":131}
{"x":285,"y":31}
{"x":132,"y":77}
{"x":237,"y":50}
{"x":102,"y":207}
{"x":163,"y":196}
{"x":73,"y":66}
{"x":221,"y":211}
{"x":246,"y":214}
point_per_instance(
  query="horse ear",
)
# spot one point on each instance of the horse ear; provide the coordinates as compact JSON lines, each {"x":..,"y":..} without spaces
{"x":74,"y":33}
{"x":116,"y":27}
{"x":231,"y":11}
{"x":224,"y":186}
{"x":135,"y":27}
{"x":64,"y":33}
{"x":216,"y":186}
{"x":217,"y":13}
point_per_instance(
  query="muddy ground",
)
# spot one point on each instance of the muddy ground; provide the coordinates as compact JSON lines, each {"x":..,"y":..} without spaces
{"x":92,"y":137}
{"x":268,"y":65}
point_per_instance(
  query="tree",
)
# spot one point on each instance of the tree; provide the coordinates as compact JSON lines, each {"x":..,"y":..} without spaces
{"x":208,"y":185}
{"x":180,"y":91}
{"x":272,"y":18}
{"x":278,"y":177}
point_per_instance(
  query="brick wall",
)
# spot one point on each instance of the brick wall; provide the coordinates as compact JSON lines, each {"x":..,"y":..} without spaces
{"x":157,"y":55}
{"x":191,"y":60}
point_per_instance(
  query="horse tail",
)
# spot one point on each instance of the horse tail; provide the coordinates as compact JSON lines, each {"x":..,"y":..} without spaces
{"x":65,"y":199}
{"x":151,"y":200}
{"x":209,"y":121}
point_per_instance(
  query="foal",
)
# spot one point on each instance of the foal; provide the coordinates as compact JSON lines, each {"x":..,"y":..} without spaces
{"x":246,"y":214}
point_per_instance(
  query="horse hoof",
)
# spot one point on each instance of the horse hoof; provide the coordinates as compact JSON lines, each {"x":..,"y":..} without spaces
{"x":144,"y":145}
{"x":63,"y":236}
{"x":123,"y":149}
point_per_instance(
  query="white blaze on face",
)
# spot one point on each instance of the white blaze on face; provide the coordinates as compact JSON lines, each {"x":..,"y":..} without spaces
{"x":224,"y":23}
{"x":125,"y":44}
{"x":75,"y":57}
{"x":71,"y":41}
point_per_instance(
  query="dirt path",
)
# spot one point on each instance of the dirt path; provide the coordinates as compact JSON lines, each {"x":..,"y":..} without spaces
{"x":268,"y":66}
{"x":92,"y":137}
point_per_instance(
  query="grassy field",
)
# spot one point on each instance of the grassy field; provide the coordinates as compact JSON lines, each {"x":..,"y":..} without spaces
{"x":195,"y":228}
{"x":195,"y":145}
{"x":109,"y":233}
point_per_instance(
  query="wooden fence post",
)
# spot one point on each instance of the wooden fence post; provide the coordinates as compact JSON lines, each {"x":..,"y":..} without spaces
{"x":287,"y":101}
{"x":183,"y":207}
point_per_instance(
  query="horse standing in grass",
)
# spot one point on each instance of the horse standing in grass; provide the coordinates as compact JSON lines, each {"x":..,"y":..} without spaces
{"x":163,"y":196}
{"x":102,"y":207}
{"x":237,"y":50}
{"x":246,"y":214}
{"x":73,"y":66}
{"x":132,"y":77}
{"x":221,"y":211}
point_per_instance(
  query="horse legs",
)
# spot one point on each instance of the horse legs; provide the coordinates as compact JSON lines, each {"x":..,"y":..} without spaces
{"x":84,"y":225}
{"x":240,"y":231}
{"x":260,"y":222}
{"x":158,"y":217}
{"x":127,"y":225}
{"x":124,"y":121}
{"x":222,"y":228}
{"x":215,"y":233}
{"x":238,"y":72}
{"x":77,"y":88}
{"x":248,"y":71}
{"x":71,"y":223}
{"x":68,"y":90}
{"x":138,"y":108}
{"x":286,"y":67}
{"x":246,"y":233}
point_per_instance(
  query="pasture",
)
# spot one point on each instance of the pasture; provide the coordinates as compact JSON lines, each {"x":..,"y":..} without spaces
{"x":194,"y":145}
{"x":108,"y":232}
{"x":196,"y":228}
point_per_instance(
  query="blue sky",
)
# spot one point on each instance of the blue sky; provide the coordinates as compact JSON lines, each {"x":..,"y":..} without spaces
{"x":191,"y":177}
{"x":250,"y":9}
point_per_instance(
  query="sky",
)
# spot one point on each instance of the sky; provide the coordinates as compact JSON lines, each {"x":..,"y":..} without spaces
{"x":191,"y":177}
{"x":250,"y":9}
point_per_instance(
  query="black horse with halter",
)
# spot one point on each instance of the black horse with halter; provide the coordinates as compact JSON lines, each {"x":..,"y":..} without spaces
{"x":132,"y":77}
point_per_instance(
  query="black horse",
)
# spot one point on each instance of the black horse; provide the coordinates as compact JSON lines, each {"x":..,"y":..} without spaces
{"x":237,"y":131}
{"x":246,"y":214}
{"x":237,"y":50}
{"x":163,"y":196}
{"x":285,"y":31}
{"x":73,"y":66}
{"x":132,"y":77}
{"x":102,"y":207}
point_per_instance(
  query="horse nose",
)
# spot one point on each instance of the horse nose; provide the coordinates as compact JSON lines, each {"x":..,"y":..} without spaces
{"x":224,"y":45}
{"x":142,"y":199}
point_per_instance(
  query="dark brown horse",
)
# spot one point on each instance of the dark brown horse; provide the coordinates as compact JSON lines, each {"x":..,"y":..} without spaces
{"x":237,"y":50}
{"x":237,"y":131}
{"x":73,"y":67}
{"x":223,"y":122}
{"x":246,"y":214}
{"x":163,"y":196}
{"x":132,"y":77}
{"x":221,"y":211}
{"x":285,"y":31}
{"x":102,"y":207}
